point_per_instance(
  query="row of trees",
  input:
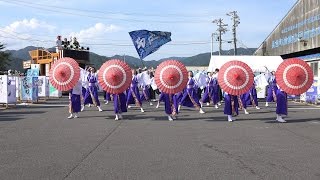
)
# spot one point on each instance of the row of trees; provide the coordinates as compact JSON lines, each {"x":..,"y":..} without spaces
{"x":4,"y":58}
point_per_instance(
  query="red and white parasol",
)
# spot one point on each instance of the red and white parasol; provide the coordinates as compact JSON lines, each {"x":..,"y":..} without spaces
{"x":235,"y":77}
{"x":115,"y":76}
{"x":171,"y":76}
{"x":294,"y":76}
{"x":64,"y":74}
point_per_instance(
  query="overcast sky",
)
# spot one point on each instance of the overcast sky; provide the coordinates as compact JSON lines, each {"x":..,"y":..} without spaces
{"x":103,"y":25}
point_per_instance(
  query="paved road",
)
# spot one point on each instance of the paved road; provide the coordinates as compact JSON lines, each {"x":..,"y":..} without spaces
{"x":38,"y":142}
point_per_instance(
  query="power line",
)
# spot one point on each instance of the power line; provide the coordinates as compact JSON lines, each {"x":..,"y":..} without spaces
{"x":45,"y":8}
{"x":116,"y":44}
{"x":115,"y":13}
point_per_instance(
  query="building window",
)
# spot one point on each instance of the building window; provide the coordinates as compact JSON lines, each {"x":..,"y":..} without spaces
{"x":314,"y":67}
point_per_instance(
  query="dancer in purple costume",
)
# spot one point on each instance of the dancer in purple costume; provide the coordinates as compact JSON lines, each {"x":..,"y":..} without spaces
{"x":282,"y":105}
{"x":207,"y":95}
{"x":231,"y":106}
{"x":251,"y":97}
{"x":272,"y":89}
{"x":106,"y":97}
{"x":161,"y":98}
{"x":190,"y":97}
{"x":92,"y":90}
{"x":170,"y":105}
{"x":75,"y":101}
{"x":242,"y":103}
{"x":119,"y":104}
{"x":145,"y":95}
{"x":133,"y":95}
{"x":211,"y":93}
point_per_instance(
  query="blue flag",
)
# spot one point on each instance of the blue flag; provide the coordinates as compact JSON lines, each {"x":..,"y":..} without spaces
{"x":147,"y":42}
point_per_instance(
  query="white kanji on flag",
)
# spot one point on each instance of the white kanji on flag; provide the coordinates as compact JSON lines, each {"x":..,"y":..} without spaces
{"x":141,"y":42}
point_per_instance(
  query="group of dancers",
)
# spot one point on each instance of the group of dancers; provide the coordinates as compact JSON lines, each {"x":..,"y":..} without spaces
{"x":86,"y":93}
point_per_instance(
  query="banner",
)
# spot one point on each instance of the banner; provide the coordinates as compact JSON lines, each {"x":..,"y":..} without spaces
{"x":43,"y":86}
{"x":146,"y":42}
{"x":11,"y":98}
{"x":29,"y":88}
{"x":18,"y":85}
{"x":34,"y":92}
{"x":26,"y":88}
{"x":312,"y":93}
{"x":53,"y":92}
{"x":3,"y":88}
{"x":33,"y":72}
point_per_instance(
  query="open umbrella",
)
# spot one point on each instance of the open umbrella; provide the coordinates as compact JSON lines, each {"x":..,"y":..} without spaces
{"x":294,"y":76}
{"x":64,"y":74}
{"x":115,"y":76}
{"x":235,"y":77}
{"x":171,"y":76}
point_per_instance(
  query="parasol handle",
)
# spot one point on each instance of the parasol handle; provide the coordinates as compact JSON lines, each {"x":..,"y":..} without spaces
{"x":296,"y":75}
{"x":63,"y":74}
{"x":236,"y":75}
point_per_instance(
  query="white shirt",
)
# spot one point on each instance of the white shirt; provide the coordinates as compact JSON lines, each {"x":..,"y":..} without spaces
{"x":77,"y":89}
{"x":59,"y":43}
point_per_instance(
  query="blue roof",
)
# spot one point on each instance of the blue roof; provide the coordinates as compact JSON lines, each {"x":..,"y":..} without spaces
{"x":310,"y":56}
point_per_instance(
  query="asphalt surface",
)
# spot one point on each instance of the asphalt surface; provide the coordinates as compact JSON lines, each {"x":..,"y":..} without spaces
{"x":39,"y":142}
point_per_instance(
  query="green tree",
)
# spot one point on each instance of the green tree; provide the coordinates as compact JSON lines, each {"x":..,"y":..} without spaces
{"x":4,"y":58}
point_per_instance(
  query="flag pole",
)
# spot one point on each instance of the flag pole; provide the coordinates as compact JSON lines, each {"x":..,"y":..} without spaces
{"x":142,"y":62}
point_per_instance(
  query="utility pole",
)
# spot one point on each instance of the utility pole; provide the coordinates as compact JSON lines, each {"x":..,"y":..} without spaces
{"x":236,"y":22}
{"x":221,"y":29}
{"x":212,"y":39}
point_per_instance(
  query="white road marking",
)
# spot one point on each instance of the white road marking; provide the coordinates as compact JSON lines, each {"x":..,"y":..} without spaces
{"x":45,"y":105}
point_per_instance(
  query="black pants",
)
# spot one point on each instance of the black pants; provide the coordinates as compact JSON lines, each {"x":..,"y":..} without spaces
{"x":152,"y":93}
{"x":199,"y":93}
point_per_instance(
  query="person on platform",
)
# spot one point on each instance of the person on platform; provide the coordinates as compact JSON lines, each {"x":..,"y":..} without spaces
{"x":119,"y":104}
{"x":133,"y":95}
{"x":58,"y":44}
{"x":65,"y":43}
{"x":231,"y":106}
{"x":75,"y":100}
{"x":272,"y":89}
{"x":190,"y":97}
{"x":92,"y":90}
{"x":282,"y":105}
{"x":75,"y":43}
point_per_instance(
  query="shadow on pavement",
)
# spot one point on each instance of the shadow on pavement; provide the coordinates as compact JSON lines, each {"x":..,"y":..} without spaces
{"x":13,"y":116}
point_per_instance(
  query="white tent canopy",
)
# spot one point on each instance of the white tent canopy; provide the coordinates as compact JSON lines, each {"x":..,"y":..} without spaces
{"x":257,"y":63}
